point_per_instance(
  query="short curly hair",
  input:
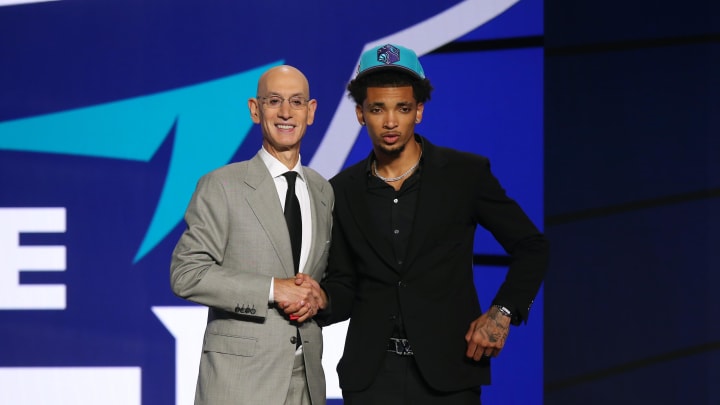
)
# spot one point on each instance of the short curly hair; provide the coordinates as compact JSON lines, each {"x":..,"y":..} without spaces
{"x":357,"y":88}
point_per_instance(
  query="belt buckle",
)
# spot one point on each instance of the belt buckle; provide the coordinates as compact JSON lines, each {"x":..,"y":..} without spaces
{"x":400,"y":347}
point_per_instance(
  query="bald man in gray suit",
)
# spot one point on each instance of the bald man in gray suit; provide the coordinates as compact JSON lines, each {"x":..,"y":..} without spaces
{"x":235,"y":257}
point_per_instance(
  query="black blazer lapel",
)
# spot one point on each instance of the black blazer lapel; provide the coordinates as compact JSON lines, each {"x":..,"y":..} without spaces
{"x":428,"y":204}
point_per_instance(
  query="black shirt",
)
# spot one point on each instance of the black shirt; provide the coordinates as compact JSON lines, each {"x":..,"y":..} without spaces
{"x":393,"y":214}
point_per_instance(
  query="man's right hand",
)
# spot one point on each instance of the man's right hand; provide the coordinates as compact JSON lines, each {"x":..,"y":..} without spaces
{"x":300,"y":297}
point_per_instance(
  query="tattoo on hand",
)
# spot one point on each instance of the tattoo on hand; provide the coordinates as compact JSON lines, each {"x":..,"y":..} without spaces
{"x":494,"y":330}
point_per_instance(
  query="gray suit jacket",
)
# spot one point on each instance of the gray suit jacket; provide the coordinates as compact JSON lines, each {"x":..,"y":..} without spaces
{"x":236,"y":240}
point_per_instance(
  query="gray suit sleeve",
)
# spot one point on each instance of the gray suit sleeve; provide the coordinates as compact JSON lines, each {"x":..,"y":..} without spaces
{"x":201,"y":271}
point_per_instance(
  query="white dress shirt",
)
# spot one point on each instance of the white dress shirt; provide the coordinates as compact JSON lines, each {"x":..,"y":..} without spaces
{"x":301,"y":191}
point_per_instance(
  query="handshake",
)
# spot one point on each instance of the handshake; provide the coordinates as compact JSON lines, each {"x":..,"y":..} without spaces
{"x":300,"y":297}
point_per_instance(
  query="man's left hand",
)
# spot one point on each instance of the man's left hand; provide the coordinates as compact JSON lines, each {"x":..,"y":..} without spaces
{"x":487,"y":335}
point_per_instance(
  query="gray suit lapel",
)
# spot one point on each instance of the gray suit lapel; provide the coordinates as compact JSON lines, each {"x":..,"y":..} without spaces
{"x":318,"y":206}
{"x":267,"y":208}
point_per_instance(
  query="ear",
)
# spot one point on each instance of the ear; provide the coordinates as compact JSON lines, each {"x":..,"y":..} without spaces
{"x":254,"y":107}
{"x":359,"y":114}
{"x":312,"y":106}
{"x":419,"y":113}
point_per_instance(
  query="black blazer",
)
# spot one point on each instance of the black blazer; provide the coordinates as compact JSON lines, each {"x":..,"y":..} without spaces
{"x":436,"y":291}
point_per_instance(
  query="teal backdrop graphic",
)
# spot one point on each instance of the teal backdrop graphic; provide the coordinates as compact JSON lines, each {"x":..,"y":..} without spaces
{"x":110,"y":112}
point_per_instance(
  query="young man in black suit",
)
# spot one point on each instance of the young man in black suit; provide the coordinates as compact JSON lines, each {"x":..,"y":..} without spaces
{"x":400,"y":263}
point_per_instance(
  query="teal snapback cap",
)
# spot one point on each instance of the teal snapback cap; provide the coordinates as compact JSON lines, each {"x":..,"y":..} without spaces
{"x":390,"y":56}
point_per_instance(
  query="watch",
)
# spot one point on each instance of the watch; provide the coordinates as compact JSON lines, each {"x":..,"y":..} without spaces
{"x":503,"y":310}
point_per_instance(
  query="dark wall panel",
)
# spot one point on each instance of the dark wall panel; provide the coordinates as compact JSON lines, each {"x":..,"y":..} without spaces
{"x":577,"y":22}
{"x":632,"y":143}
{"x":689,"y":380}
{"x":643,"y":268}
{"x":631,"y":125}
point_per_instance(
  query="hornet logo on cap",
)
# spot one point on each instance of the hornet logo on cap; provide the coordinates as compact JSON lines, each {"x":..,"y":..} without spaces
{"x":388,"y":54}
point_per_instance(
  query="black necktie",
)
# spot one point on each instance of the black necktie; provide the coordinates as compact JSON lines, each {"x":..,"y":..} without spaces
{"x":293,"y":218}
{"x":294,"y":224}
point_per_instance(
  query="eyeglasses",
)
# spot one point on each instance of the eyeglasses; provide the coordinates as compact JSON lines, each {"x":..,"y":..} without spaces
{"x":296,"y":102}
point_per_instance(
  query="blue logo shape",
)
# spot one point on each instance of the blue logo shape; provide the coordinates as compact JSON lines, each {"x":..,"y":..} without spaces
{"x":143,"y":123}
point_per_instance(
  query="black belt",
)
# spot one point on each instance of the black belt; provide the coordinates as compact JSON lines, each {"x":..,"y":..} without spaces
{"x":400,"y":347}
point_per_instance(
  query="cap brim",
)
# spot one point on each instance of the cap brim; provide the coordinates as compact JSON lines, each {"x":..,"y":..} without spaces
{"x":380,"y":68}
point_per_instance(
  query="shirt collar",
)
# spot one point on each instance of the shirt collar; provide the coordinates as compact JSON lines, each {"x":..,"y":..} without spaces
{"x":276,"y":168}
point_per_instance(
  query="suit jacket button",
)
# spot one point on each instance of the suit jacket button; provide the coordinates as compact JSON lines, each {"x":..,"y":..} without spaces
{"x":293,"y":340}
{"x":238,"y":309}
{"x":252,"y":311}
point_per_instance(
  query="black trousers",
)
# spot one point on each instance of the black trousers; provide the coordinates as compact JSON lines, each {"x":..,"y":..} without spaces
{"x":399,"y":383}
